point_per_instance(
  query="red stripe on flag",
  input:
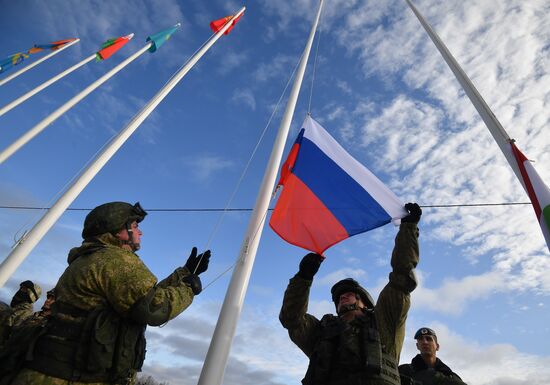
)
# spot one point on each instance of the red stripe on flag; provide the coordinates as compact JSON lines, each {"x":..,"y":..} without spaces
{"x":301,"y":219}
{"x":520,"y":159}
{"x":288,"y":165}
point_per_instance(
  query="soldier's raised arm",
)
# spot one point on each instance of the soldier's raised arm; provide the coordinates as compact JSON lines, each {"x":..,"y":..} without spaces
{"x":302,"y":327}
{"x":394,"y":300}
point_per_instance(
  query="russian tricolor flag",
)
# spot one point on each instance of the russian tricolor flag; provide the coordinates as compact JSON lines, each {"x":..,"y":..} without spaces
{"x":328,"y":196}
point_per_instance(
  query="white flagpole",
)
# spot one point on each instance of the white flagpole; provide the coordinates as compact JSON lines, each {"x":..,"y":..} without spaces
{"x":491,"y":121}
{"x":47,"y":83}
{"x":31,"y":239}
{"x":25,"y":69}
{"x":216,"y":359}
{"x":26,"y":137}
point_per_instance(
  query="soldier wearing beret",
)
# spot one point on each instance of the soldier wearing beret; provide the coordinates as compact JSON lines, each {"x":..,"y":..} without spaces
{"x":104,"y":301}
{"x":426,"y":368}
{"x":362,"y":344}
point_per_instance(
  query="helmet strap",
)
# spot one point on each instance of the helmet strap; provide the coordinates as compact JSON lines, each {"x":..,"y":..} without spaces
{"x":347,"y":308}
{"x":130,"y":241}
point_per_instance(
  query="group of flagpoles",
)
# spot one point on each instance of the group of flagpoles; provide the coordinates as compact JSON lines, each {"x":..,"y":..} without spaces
{"x":47,"y":83}
{"x":491,"y":121}
{"x":25,"y":69}
{"x":216,"y":359}
{"x":31,"y":239}
{"x":26,"y":137}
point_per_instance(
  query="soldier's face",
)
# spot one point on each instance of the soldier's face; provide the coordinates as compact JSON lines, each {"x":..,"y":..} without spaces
{"x":427,"y":345}
{"x":136,"y":234}
{"x":349,"y":298}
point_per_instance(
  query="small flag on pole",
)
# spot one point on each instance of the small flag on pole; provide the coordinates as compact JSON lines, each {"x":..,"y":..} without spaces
{"x":112,"y":45}
{"x":538,"y":192}
{"x":160,"y":38}
{"x":216,"y":25}
{"x":11,"y":61}
{"x":54,"y":46}
{"x":328,"y":196}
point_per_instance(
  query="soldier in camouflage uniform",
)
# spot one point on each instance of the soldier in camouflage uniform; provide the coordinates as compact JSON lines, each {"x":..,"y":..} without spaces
{"x":425,"y":368}
{"x":360,"y":346}
{"x":19,"y":309}
{"x":104,"y":300}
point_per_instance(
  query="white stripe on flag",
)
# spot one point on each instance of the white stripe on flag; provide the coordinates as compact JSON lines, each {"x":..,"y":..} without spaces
{"x":383,"y":195}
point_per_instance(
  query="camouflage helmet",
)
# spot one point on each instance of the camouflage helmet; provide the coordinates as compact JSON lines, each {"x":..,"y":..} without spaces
{"x":351,"y":285}
{"x":111,"y":217}
{"x":34,"y":290}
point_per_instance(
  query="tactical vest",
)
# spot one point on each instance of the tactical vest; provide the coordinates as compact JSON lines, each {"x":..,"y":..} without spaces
{"x":351,"y":357}
{"x":94,"y":346}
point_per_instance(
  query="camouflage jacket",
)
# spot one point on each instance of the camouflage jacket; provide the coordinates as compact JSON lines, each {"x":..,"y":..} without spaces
{"x":390,"y":311}
{"x":418,"y":373}
{"x":12,"y":316}
{"x":105,"y":281}
{"x":102,"y":273}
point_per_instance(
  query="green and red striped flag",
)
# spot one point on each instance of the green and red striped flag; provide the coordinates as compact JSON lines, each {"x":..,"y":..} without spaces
{"x":538,"y":192}
{"x":111,"y":46}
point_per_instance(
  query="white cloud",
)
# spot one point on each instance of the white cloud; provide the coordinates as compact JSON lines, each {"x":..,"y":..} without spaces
{"x":335,"y":276}
{"x":244,"y":96}
{"x":276,"y":67}
{"x":205,"y":166}
{"x":231,"y":60}
{"x":453,"y":295}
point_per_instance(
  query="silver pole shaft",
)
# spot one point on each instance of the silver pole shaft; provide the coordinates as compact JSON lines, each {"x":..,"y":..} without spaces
{"x":29,"y":135}
{"x":216,"y":359}
{"x":47,"y":83}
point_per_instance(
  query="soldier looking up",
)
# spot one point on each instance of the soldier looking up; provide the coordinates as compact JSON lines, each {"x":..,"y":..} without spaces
{"x":104,"y":301}
{"x":19,"y":309}
{"x":362,"y":344}
{"x":425,"y":368}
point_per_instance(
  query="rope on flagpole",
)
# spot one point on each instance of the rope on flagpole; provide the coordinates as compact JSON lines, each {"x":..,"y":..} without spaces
{"x":315,"y":64}
{"x":243,"y":174}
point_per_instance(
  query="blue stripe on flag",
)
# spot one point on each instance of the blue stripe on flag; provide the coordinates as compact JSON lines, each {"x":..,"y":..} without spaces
{"x":354,"y":207}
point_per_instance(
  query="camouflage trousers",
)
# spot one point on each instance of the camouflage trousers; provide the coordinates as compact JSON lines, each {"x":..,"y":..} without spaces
{"x":32,"y":377}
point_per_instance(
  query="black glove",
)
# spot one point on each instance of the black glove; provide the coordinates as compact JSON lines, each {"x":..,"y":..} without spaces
{"x":310,"y":265}
{"x":414,"y":213}
{"x":194,"y":283}
{"x":198,"y":264}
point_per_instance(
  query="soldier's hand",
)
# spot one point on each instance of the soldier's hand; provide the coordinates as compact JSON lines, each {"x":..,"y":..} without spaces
{"x":310,"y":265}
{"x":415,"y":212}
{"x":198,"y":264}
{"x":194,"y":283}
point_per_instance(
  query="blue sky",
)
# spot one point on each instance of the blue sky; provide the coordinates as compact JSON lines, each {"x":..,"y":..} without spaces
{"x":381,"y":89}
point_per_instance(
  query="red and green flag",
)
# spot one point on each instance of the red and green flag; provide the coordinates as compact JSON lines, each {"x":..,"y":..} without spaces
{"x":111,"y":46}
{"x":538,"y":192}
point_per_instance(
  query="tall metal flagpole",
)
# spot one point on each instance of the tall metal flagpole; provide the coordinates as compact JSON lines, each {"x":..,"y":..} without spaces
{"x":216,"y":359}
{"x":26,"y":137}
{"x":25,"y":69}
{"x":491,"y":121}
{"x":47,"y":83}
{"x":25,"y":245}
